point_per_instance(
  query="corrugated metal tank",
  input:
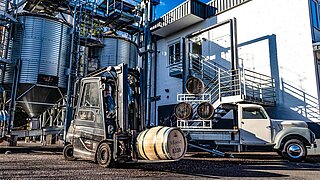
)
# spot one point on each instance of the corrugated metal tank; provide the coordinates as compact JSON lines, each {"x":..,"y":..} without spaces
{"x":42,"y":43}
{"x":116,"y":50}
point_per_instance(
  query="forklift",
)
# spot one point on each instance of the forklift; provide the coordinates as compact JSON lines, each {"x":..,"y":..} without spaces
{"x":107,"y":117}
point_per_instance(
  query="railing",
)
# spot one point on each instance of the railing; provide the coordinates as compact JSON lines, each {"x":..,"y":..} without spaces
{"x":194,"y":97}
{"x":195,"y":124}
{"x":258,"y":86}
{"x":176,"y":69}
{"x":309,"y":105}
{"x":205,"y":68}
{"x":224,"y":5}
{"x":2,"y":6}
{"x":220,"y":82}
{"x":188,"y":7}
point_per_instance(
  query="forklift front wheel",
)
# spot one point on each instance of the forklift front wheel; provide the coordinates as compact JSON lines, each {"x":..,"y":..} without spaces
{"x":104,"y":155}
{"x":68,"y":153}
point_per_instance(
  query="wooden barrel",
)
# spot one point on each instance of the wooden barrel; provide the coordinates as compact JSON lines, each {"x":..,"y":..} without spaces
{"x":194,"y":85}
{"x":183,"y":111}
{"x":205,"y":110}
{"x":162,"y":143}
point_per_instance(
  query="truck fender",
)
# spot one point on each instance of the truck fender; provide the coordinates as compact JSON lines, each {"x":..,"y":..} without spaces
{"x":304,"y":133}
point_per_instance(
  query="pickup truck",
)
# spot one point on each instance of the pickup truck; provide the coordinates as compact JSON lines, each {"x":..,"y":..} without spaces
{"x":244,"y":125}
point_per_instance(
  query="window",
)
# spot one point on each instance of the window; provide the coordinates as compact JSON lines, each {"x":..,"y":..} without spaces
{"x":175,"y":53}
{"x":86,"y":115}
{"x":315,"y":14}
{"x":253,"y":113}
{"x":90,"y":96}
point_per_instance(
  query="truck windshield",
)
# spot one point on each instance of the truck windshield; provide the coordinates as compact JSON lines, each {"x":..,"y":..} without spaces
{"x":253,"y":113}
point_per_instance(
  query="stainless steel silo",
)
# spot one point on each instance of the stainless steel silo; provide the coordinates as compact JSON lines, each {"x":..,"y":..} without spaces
{"x":42,"y":43}
{"x":115,"y":50}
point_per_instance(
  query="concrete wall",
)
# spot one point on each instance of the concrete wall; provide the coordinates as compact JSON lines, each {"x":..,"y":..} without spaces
{"x":274,"y":37}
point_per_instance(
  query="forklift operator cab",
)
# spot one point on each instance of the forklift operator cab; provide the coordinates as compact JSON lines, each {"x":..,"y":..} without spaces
{"x":105,"y":122}
{"x":87,"y":128}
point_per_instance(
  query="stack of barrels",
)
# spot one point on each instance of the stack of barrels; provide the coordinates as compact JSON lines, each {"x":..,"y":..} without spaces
{"x":184,"y":110}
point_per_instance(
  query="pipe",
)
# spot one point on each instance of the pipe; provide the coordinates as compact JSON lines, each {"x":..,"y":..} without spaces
{"x":77,"y":61}
{"x":68,"y":101}
{"x":184,"y":66}
{"x":148,"y":58}
{"x":235,"y":43}
{"x":14,"y":95}
{"x":155,"y":78}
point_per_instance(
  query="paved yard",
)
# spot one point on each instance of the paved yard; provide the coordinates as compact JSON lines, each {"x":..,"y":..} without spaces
{"x":51,"y":165}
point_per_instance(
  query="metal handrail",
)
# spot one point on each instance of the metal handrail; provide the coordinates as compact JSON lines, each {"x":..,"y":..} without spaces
{"x":194,"y":97}
{"x":220,"y":83}
{"x":196,"y":124}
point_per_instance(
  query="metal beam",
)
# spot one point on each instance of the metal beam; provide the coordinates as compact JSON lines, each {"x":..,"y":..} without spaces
{"x":36,"y":103}
{"x":12,"y":106}
{"x":6,"y":61}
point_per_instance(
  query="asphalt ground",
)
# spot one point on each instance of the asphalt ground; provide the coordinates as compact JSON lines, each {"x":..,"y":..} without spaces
{"x":49,"y":164}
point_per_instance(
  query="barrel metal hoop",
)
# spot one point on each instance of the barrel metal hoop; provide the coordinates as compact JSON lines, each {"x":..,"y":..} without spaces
{"x":138,"y":144}
{"x":143,"y":144}
{"x":155,"y":142}
{"x":185,"y":143}
{"x":165,"y":145}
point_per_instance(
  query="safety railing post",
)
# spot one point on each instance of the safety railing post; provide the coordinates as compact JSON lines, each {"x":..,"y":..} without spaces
{"x":202,"y":66}
{"x":244,"y":84}
{"x":219,"y":84}
{"x":239,"y":82}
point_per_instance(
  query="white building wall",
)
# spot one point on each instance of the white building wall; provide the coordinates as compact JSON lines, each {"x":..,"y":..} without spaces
{"x":274,"y":38}
{"x":288,"y":48}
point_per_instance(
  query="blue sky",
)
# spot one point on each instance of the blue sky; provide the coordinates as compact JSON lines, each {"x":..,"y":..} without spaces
{"x":167,"y":5}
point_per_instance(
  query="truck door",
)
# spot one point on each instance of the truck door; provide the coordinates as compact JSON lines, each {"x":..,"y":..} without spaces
{"x":255,"y":126}
{"x":87,"y":119}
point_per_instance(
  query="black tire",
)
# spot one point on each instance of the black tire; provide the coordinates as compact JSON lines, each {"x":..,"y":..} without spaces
{"x":68,"y":152}
{"x":294,"y":150}
{"x":104,"y":155}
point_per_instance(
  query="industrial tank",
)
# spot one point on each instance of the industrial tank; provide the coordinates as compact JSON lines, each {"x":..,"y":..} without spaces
{"x":42,"y":43}
{"x":115,"y":50}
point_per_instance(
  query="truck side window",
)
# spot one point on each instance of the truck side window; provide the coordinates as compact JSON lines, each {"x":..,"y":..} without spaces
{"x":90,"y":96}
{"x":253,"y":113}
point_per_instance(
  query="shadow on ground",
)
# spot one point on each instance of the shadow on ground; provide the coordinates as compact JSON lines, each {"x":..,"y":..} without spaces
{"x":249,"y":165}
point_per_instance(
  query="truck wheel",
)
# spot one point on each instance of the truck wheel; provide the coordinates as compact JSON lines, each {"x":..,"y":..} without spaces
{"x":104,"y":155}
{"x":68,"y":153}
{"x":294,"y":150}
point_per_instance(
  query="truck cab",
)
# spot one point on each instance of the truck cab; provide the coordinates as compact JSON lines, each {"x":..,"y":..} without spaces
{"x":245,"y":125}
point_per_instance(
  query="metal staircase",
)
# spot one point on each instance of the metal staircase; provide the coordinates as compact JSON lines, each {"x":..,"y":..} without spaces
{"x":223,"y":86}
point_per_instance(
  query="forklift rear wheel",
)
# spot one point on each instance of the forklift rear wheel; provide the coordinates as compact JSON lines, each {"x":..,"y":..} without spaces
{"x":68,"y":153}
{"x":104,"y":155}
{"x":294,"y":150}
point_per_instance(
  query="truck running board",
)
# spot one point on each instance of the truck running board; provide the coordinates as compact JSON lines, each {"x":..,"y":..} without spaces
{"x":212,"y":151}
